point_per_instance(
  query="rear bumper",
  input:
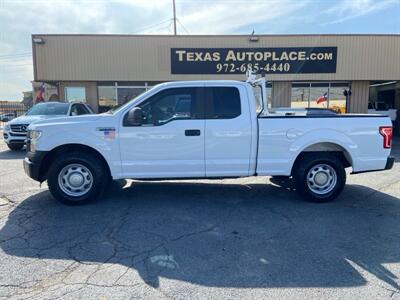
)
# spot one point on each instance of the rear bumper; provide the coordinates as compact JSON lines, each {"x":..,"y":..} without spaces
{"x":389,"y":164}
{"x":32,"y":164}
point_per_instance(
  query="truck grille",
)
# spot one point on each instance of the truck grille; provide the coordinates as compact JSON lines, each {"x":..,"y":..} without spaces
{"x":19,"y":128}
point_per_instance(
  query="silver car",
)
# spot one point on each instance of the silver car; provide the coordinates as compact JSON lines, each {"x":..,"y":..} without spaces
{"x":15,"y":130}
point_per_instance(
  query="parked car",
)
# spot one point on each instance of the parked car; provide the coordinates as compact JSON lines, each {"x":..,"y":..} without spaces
{"x":6,"y":117}
{"x":15,"y":130}
{"x":205,"y":129}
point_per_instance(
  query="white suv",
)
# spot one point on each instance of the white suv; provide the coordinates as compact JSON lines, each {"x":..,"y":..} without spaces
{"x":15,"y":130}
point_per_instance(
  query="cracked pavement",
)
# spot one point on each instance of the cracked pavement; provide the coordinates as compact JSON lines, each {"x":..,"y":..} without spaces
{"x":208,"y":239}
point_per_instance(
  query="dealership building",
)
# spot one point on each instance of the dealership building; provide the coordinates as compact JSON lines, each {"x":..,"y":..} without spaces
{"x":351,"y":72}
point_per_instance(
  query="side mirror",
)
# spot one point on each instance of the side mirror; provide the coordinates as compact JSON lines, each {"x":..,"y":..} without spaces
{"x":135,"y":117}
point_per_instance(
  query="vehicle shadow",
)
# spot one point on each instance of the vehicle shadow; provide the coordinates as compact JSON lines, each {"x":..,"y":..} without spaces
{"x":395,"y":151}
{"x":219,"y":235}
{"x":8,"y":154}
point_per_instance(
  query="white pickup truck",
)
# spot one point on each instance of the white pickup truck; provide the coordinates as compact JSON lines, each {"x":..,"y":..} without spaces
{"x":205,"y":129}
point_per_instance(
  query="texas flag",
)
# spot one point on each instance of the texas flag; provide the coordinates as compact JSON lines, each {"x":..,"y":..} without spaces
{"x":322,"y":98}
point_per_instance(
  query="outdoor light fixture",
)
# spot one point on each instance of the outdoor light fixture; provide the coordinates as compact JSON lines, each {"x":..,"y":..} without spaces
{"x":38,"y":40}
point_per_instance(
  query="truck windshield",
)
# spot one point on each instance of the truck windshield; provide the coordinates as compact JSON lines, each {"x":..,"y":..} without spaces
{"x":49,"y":109}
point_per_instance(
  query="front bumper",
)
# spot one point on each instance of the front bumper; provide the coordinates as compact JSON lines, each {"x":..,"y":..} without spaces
{"x":33,"y":163}
{"x":14,"y":138}
{"x":15,"y":142}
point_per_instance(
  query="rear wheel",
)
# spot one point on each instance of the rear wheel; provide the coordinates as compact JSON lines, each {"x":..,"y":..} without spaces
{"x":320,"y":177}
{"x":76,"y":178}
{"x":15,"y":147}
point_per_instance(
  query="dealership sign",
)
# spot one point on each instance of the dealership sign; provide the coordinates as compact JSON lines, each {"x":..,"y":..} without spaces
{"x":267,"y":60}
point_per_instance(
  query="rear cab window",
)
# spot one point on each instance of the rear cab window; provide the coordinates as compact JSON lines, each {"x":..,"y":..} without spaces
{"x":222,"y":103}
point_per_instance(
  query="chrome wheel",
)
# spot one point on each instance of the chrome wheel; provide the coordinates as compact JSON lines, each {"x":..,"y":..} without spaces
{"x":75,"y":180}
{"x":321,"y":179}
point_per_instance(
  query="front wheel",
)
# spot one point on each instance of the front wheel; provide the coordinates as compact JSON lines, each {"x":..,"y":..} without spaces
{"x":76,"y":178}
{"x":320,"y":177}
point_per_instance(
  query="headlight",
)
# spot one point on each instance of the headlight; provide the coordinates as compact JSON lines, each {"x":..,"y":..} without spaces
{"x":34,"y":135}
{"x":7,"y":127}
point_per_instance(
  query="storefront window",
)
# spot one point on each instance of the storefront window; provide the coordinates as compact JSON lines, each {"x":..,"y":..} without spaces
{"x":112,"y":94}
{"x":300,"y":95}
{"x":107,"y":98}
{"x":75,"y":94}
{"x":320,"y":95}
{"x":126,"y":94}
{"x":337,"y":98}
{"x":115,"y":95}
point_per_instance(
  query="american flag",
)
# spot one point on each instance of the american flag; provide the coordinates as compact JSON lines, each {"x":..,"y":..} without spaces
{"x":40,"y":94}
{"x":109,"y":134}
{"x":322,"y":98}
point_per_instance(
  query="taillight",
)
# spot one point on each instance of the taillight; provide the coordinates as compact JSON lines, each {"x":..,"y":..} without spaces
{"x":387,"y":133}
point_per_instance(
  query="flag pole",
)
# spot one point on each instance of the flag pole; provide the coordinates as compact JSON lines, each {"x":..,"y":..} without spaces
{"x":173,"y":5}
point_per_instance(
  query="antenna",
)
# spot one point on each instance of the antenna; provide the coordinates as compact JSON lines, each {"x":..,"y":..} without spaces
{"x":173,"y":6}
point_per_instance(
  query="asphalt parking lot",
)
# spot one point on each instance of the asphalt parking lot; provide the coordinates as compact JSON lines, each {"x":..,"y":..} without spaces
{"x":242,"y":238}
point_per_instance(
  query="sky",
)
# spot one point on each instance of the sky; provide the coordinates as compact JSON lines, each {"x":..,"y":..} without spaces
{"x":21,"y":18}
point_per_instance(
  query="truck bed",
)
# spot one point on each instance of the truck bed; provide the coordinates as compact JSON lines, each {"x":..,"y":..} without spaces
{"x":281,"y":141}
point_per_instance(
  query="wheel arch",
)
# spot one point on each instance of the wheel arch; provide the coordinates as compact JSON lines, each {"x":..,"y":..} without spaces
{"x":324,"y":147}
{"x":68,"y":148}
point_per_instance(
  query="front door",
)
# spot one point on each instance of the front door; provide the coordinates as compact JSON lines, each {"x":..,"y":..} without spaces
{"x":170,"y":142}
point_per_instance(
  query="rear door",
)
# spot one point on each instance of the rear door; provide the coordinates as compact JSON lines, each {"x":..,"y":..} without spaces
{"x":228,"y":131}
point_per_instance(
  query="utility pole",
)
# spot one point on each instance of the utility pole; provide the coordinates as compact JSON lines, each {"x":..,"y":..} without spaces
{"x":173,"y":4}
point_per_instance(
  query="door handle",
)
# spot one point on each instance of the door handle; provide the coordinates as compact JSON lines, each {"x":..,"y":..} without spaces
{"x":192,"y":132}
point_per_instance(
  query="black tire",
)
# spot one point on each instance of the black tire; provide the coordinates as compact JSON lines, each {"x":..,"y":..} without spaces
{"x":99,"y":176}
{"x":317,"y":160}
{"x":15,"y":147}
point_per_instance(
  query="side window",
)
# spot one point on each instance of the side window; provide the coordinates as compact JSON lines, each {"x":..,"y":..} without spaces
{"x":78,"y":109}
{"x":74,"y":112}
{"x":224,"y":103}
{"x":82,"y":110}
{"x":169,"y":105}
